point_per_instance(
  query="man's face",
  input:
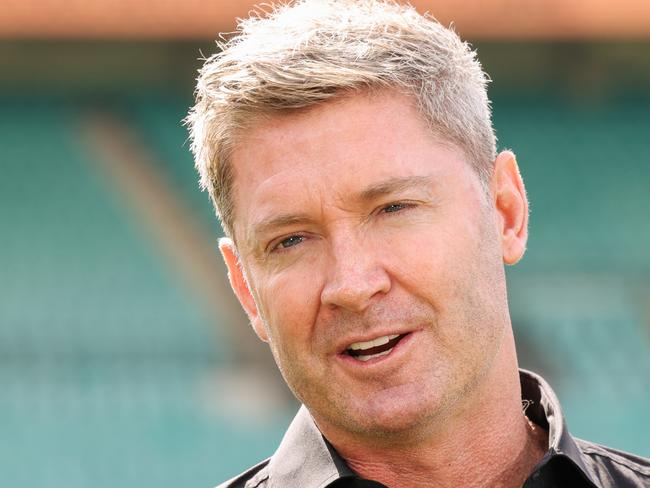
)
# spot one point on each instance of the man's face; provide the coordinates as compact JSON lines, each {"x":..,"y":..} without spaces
{"x":353,"y":224}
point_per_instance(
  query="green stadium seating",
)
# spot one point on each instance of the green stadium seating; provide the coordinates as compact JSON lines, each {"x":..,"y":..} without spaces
{"x":105,"y":356}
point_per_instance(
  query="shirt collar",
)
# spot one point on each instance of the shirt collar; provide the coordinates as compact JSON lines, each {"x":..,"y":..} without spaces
{"x":545,"y":411}
{"x":305,"y":458}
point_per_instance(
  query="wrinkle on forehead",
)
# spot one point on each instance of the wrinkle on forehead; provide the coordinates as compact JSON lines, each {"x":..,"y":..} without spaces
{"x":293,"y":158}
{"x":344,"y":205}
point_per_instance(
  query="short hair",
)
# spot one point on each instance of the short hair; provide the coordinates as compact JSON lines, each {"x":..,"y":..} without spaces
{"x":297,"y":56}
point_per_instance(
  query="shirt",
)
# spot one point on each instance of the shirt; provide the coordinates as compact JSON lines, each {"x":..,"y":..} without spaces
{"x":305,"y":459}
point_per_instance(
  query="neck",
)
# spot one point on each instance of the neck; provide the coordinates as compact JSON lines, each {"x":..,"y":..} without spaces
{"x":487,"y":442}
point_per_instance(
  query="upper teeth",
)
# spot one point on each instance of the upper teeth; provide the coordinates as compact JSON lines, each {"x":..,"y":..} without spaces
{"x":379,"y":341}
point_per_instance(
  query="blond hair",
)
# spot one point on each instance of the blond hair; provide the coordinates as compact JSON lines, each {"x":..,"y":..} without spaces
{"x":301,"y":55}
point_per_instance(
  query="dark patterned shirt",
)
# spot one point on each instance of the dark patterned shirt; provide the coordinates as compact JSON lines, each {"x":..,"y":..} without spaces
{"x":305,"y":459}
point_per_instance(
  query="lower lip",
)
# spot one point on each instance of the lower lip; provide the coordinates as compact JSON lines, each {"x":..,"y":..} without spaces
{"x":394,"y":352}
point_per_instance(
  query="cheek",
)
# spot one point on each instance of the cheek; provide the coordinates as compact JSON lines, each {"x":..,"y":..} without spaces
{"x":421,"y":253}
{"x":450,"y":261}
{"x":288,"y":304}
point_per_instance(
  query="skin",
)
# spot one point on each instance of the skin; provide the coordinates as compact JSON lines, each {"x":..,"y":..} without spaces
{"x":352,"y":221}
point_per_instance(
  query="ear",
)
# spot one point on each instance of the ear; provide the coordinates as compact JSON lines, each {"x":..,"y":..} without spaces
{"x":512,"y":207}
{"x":240,"y":286}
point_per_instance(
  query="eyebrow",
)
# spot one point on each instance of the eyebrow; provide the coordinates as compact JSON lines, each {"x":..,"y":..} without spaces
{"x":394,"y":185}
{"x":276,"y":222}
{"x":368,"y":194}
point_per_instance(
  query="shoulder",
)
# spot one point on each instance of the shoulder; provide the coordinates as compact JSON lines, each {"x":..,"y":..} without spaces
{"x":615,"y":468}
{"x":251,"y":478}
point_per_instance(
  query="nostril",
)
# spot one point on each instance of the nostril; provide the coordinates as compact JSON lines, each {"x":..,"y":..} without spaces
{"x":355,"y":290}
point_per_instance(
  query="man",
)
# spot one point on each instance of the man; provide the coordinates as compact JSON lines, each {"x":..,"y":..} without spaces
{"x":349,"y":152}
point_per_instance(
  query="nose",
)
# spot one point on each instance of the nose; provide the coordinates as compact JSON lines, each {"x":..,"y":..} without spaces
{"x":355,"y":275}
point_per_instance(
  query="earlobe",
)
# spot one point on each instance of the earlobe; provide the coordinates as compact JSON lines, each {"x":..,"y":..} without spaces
{"x":512,"y":206}
{"x":240,"y":286}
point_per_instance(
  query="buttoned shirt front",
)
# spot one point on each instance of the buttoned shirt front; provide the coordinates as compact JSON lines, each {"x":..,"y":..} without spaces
{"x":305,"y":459}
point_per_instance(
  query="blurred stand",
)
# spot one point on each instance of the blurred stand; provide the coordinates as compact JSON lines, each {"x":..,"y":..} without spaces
{"x":201,"y":19}
{"x":253,"y":386}
{"x":124,"y":356}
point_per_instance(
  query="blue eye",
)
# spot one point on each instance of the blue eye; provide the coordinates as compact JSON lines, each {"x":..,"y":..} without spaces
{"x":394,"y":207}
{"x":290,"y":241}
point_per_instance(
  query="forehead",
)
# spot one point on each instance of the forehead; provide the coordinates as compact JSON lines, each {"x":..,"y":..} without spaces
{"x":329,"y":151}
{"x":370,"y":114}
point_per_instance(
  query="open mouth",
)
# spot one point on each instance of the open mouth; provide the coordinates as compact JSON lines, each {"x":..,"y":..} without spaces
{"x":381,"y":346}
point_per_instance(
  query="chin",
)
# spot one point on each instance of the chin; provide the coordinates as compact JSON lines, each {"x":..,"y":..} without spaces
{"x":392,"y":415}
{"x":407,"y":428}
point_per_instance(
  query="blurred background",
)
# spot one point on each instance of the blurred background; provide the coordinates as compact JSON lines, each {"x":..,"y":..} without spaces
{"x":124,"y":360}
